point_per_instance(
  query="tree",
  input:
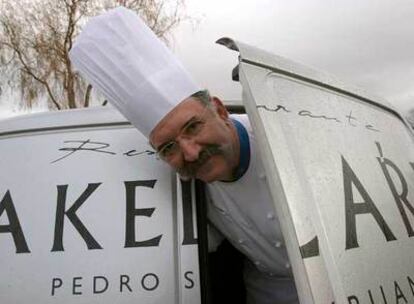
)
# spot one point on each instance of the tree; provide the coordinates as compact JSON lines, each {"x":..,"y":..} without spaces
{"x":37,"y":35}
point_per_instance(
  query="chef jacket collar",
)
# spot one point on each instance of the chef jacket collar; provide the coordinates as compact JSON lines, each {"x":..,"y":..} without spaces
{"x":244,"y":151}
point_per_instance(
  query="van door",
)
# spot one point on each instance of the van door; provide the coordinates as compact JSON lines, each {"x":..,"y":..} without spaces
{"x":340,"y":166}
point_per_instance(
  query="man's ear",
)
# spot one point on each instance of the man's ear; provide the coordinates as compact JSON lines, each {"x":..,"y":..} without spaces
{"x":220,"y":108}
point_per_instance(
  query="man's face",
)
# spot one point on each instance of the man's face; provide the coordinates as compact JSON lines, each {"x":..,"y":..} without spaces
{"x":199,"y":141}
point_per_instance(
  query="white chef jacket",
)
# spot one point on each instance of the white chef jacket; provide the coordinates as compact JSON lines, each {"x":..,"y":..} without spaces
{"x":244,"y":212}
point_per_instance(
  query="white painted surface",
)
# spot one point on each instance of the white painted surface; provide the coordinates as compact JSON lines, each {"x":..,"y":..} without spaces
{"x":306,"y":144}
{"x":31,"y":174}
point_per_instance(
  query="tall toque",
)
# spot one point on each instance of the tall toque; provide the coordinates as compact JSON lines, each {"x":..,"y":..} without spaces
{"x":122,"y":58}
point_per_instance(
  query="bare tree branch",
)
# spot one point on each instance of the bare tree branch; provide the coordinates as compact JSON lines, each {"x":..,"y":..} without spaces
{"x":37,"y":35}
{"x":87,"y":96}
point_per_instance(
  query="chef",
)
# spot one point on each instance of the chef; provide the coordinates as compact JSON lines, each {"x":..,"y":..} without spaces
{"x":193,"y":132}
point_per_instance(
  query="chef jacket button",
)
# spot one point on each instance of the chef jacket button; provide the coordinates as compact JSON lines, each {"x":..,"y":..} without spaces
{"x":241,"y":241}
{"x":270,"y":216}
{"x":287,"y":265}
{"x":257,"y":263}
{"x":278,"y":244}
{"x":262,"y":176}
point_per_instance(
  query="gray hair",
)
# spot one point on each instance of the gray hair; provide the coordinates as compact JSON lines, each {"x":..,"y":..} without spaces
{"x":203,"y":96}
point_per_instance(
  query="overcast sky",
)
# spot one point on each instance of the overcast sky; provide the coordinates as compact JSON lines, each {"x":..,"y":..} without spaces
{"x":366,"y":43}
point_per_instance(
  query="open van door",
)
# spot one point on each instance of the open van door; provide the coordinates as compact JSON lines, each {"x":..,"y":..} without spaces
{"x":340,"y":166}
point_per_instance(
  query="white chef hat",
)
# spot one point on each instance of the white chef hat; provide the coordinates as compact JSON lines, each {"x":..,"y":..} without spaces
{"x":121,"y":57}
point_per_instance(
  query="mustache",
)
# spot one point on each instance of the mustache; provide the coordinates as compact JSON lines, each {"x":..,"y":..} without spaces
{"x":189,"y":169}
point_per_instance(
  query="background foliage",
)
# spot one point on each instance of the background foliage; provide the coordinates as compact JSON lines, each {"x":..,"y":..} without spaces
{"x":37,"y":35}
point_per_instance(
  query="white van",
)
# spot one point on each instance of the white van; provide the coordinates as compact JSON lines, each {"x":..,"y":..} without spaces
{"x":89,"y":215}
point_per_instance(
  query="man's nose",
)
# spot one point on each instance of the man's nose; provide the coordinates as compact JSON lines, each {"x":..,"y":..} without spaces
{"x":190,"y":149}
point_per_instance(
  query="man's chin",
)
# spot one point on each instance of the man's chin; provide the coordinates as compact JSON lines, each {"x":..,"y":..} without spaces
{"x":202,"y":177}
{"x":209,"y":173}
{"x":184,"y":177}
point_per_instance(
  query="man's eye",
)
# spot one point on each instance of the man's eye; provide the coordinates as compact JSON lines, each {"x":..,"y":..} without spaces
{"x":168,"y":149}
{"x":193,"y":128}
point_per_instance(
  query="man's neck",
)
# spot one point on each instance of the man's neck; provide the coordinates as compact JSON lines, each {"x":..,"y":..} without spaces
{"x":242,"y":151}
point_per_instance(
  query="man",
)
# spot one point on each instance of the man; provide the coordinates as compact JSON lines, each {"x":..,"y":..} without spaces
{"x":195,"y":135}
{"x":199,"y":139}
